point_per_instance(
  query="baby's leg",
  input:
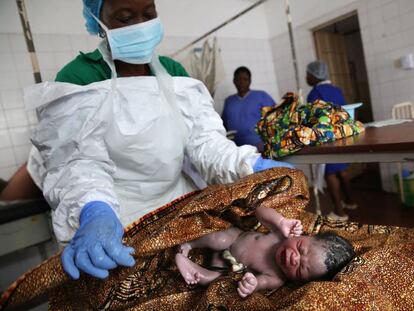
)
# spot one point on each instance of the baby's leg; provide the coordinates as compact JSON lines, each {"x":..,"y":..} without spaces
{"x":193,"y":273}
{"x":216,"y":241}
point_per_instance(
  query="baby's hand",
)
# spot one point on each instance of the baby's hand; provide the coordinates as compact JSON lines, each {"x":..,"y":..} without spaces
{"x":291,"y":227}
{"x":247,"y":285}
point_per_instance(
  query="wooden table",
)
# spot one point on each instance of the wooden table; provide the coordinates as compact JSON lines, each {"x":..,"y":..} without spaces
{"x":393,"y":143}
{"x":388,"y":144}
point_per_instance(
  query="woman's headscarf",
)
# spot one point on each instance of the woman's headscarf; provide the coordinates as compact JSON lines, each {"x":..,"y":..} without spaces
{"x":94,"y":7}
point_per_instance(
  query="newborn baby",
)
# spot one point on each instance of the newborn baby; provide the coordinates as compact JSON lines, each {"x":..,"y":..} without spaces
{"x":270,"y":259}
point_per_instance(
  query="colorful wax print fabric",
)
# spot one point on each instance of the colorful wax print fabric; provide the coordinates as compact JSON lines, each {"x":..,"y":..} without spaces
{"x":289,"y":126}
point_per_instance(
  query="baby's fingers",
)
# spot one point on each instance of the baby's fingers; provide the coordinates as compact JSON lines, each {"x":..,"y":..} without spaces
{"x":298,"y":227}
{"x":245,"y":288}
{"x":249,"y":278}
{"x":298,"y":233}
{"x":241,"y":293}
{"x":298,"y":224}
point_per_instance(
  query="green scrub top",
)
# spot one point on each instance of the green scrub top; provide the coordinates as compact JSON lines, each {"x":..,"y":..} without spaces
{"x":88,"y":68}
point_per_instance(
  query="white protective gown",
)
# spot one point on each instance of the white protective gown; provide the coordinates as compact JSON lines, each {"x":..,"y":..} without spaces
{"x":125,"y":145}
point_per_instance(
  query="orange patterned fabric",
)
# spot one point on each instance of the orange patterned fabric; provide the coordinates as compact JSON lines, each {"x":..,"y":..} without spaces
{"x":380,"y":278}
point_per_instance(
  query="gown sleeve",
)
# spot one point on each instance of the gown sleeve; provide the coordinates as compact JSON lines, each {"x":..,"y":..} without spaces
{"x":70,"y":142}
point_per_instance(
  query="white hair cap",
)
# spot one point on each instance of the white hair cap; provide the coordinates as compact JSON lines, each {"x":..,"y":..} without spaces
{"x":318,"y":69}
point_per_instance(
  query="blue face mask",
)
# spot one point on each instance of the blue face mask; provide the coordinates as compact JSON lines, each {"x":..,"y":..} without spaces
{"x":134,"y":44}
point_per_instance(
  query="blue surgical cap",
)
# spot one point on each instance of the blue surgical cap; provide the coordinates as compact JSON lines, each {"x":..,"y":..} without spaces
{"x":318,"y":69}
{"x":95,"y":7}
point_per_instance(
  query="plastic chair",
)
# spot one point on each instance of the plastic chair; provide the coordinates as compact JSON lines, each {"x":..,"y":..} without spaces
{"x":403,"y":110}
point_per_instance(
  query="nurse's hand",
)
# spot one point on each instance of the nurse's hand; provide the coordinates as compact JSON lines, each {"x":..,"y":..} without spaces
{"x":264,"y":164}
{"x":97,"y":245}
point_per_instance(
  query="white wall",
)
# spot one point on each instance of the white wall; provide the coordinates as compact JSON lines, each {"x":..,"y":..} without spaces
{"x":177,"y":16}
{"x":9,"y":18}
{"x":192,"y":18}
{"x":256,"y":54}
{"x":302,"y":12}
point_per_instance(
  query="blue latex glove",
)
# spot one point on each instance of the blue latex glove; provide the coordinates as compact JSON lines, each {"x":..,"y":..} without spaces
{"x":97,"y":245}
{"x":264,"y":164}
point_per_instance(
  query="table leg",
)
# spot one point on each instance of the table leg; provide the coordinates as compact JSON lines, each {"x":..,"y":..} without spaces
{"x":400,"y":182}
{"x":315,"y":190}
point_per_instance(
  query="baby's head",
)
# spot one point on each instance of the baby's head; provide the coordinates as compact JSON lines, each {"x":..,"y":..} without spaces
{"x":317,"y":257}
{"x":338,"y":253}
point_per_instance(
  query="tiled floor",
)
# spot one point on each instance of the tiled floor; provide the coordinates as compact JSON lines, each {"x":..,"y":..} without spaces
{"x":375,"y":206}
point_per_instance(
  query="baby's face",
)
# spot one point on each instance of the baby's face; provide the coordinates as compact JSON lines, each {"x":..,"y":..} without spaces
{"x":301,"y":258}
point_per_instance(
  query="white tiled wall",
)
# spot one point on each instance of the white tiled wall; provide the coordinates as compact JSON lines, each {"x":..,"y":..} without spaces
{"x":15,"y":121}
{"x":53,"y":52}
{"x":254,"y":54}
{"x":387,"y":29}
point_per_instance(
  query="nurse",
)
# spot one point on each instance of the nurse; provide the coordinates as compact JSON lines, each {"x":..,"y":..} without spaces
{"x":317,"y":76}
{"x":110,"y":144}
{"x":242,"y":111}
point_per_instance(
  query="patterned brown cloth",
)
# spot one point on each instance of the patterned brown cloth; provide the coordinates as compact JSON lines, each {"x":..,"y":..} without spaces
{"x":380,"y":278}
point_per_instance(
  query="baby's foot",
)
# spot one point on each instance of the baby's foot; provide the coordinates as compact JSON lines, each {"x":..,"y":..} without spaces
{"x":184,"y":249}
{"x":187,"y":270}
{"x":193,"y":273}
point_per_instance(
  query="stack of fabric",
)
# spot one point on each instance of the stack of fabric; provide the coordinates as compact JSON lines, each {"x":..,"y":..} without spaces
{"x":288,"y":127}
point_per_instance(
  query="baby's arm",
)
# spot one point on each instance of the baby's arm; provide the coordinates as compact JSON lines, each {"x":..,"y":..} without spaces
{"x":250,"y":283}
{"x":275,"y":222}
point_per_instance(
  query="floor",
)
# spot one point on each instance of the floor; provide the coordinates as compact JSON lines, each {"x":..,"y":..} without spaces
{"x":375,"y":206}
